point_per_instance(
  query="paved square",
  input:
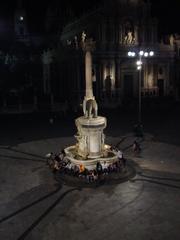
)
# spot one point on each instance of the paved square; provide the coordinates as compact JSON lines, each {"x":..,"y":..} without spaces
{"x":33,"y":206}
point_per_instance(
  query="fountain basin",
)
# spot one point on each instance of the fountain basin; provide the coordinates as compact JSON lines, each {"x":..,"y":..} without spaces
{"x":90,"y":163}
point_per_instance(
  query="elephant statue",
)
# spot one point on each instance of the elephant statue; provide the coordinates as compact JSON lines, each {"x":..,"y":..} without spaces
{"x":90,"y":108}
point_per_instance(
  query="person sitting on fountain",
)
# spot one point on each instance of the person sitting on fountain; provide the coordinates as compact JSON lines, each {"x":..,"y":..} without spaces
{"x":99,"y":168}
{"x":110,"y":168}
{"x":113,"y":149}
{"x":105,"y":168}
{"x":95,"y":175}
{"x":57,"y":158}
{"x":82,"y":172}
{"x":56,"y":166}
{"x":115,"y":167}
{"x":90,"y":176}
{"x":81,"y":169}
{"x":75,"y":170}
{"x":62,"y":154}
{"x":69,"y":167}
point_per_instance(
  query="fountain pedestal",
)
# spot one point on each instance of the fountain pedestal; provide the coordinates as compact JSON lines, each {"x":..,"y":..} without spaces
{"x":90,"y":147}
{"x":90,"y":136}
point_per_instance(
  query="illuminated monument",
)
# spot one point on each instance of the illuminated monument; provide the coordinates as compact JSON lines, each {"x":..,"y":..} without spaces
{"x":90,"y":147}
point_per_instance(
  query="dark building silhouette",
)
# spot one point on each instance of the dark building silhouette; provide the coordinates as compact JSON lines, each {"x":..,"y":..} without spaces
{"x":42,"y":61}
{"x":117,"y":27}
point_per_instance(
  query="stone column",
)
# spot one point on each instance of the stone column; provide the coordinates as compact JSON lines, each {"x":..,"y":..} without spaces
{"x":88,"y":47}
{"x":136,"y":35}
{"x":88,"y":70}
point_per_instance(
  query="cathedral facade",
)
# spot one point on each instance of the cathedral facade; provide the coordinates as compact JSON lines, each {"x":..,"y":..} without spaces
{"x":118,"y":27}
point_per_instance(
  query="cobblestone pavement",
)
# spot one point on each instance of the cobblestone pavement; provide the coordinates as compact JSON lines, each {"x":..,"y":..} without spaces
{"x":34,"y":206}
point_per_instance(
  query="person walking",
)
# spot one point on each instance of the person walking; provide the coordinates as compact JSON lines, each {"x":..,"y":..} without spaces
{"x":49,"y":158}
{"x":136,"y":147}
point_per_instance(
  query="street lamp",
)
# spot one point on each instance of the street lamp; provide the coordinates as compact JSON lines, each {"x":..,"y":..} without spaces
{"x":139,"y":64}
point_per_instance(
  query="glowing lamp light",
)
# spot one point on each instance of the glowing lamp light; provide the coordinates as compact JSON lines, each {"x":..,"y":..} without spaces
{"x":21,"y":18}
{"x":151,"y":53}
{"x":139,"y":63}
{"x":131,"y":54}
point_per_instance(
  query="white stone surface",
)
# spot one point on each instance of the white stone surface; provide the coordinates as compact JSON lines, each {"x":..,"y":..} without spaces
{"x":90,"y":136}
{"x":90,"y":163}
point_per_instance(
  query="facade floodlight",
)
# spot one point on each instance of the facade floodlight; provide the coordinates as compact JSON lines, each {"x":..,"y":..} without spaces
{"x":151,"y":53}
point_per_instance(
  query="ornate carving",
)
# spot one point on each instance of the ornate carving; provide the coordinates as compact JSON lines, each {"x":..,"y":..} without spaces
{"x":129,"y":33}
{"x":129,"y":39}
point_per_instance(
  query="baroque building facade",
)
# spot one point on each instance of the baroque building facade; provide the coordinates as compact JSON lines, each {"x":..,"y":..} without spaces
{"x":117,"y":27}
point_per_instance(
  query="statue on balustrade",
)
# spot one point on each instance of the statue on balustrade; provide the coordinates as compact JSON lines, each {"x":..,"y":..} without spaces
{"x":129,"y":33}
{"x":129,"y":39}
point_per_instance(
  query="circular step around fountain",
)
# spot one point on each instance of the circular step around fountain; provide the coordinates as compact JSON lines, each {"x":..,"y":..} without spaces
{"x":124,"y":175}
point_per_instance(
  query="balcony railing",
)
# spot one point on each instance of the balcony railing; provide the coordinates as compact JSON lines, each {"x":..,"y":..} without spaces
{"x":150,"y":92}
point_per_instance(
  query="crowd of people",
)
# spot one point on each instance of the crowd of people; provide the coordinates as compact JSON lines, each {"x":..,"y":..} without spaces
{"x":60,"y":163}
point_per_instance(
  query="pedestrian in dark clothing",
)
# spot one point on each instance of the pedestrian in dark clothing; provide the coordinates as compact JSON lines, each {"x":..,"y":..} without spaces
{"x":99,"y":168}
{"x":124,"y":162}
{"x":136,"y":147}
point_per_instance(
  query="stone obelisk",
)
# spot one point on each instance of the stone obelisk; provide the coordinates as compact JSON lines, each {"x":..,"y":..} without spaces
{"x":88,"y":46}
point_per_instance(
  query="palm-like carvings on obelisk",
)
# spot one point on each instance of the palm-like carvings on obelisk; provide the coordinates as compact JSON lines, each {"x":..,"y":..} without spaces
{"x":90,"y":107}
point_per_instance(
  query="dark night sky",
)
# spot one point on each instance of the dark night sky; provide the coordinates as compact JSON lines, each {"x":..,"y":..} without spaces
{"x":167,"y":11}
